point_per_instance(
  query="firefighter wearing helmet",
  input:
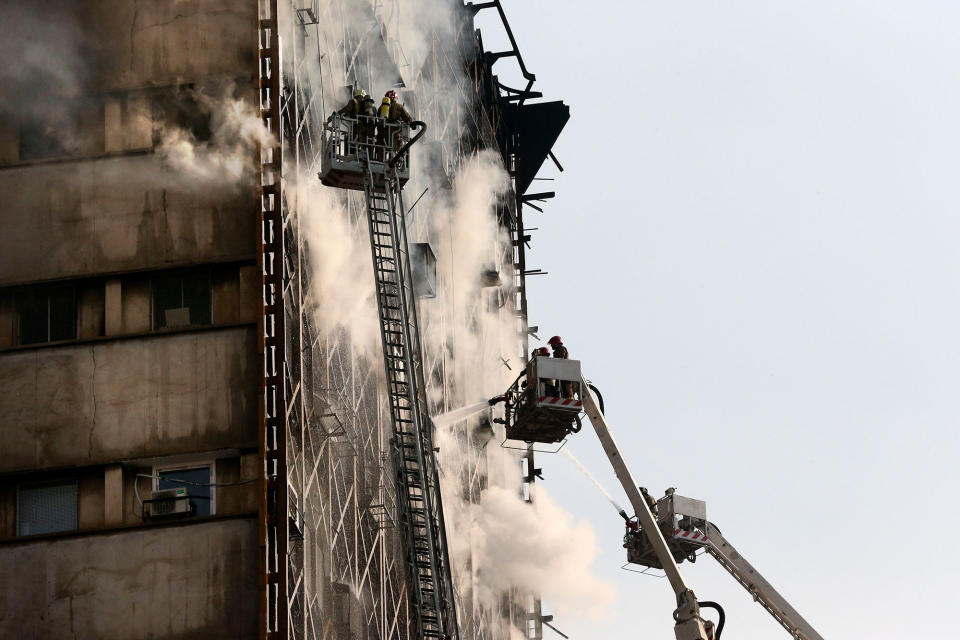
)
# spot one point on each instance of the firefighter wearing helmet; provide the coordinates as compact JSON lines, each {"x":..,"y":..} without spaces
{"x":393,"y":112}
{"x":541,"y":351}
{"x":361,"y":107}
{"x":354,"y":107}
{"x":560,"y":351}
{"x":396,"y":111}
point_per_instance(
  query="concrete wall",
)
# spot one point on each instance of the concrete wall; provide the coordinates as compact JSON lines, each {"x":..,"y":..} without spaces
{"x":192,"y":581}
{"x":117,"y":400}
{"x":109,"y":216}
{"x":165,"y":41}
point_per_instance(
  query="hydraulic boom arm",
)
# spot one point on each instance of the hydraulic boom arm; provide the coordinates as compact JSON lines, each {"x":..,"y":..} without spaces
{"x":689,"y":625}
{"x":761,"y":590}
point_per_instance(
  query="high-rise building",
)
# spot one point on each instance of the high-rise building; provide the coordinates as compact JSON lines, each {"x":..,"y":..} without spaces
{"x":194,"y":421}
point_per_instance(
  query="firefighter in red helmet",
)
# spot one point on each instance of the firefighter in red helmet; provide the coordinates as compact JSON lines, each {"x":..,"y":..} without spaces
{"x":541,"y":351}
{"x":393,"y":111}
{"x":560,"y":351}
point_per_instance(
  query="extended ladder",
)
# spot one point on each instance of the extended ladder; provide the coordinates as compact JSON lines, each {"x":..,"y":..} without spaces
{"x":761,"y":590}
{"x":417,"y":474}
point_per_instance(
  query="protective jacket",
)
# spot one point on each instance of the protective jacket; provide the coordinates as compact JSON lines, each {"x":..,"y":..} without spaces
{"x":399,"y":112}
{"x":560,"y":351}
{"x":353,"y":107}
{"x":367,"y":108}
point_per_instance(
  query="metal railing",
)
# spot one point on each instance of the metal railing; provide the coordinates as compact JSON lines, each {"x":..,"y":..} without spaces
{"x":351,"y":139}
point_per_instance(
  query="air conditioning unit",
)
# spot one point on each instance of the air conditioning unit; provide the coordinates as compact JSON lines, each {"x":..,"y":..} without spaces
{"x":169,"y":503}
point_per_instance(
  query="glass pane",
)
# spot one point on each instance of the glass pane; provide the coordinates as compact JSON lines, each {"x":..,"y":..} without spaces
{"x":166,"y":296}
{"x":47,"y":508}
{"x":63,"y":314}
{"x":32,"y":314}
{"x":196,"y":296}
{"x":196,"y":481}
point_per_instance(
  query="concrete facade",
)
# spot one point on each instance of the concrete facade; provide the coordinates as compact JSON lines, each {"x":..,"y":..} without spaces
{"x":196,"y":581}
{"x":122,"y":399}
{"x":116,"y":215}
{"x":129,"y":301}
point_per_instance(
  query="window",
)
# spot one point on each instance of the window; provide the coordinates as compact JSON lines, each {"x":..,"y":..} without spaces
{"x":47,"y":314}
{"x":62,"y":128}
{"x":46,"y":507}
{"x":181,"y":300}
{"x":40,"y":140}
{"x":196,"y":480}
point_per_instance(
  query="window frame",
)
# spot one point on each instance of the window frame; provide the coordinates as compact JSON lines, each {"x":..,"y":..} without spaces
{"x":210,"y":464}
{"x":180,"y":275}
{"x":29,"y":484}
{"x":46,"y":292}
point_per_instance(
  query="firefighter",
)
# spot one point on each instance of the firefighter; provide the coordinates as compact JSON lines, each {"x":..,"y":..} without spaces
{"x":651,"y":502}
{"x":396,"y":113}
{"x":560,"y":351}
{"x":354,"y":107}
{"x":367,"y":121}
{"x":549,"y":386}
{"x":383,"y":119}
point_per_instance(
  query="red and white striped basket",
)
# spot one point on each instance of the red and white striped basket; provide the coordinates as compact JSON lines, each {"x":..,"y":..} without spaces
{"x":568,"y":403}
{"x":692,"y":536}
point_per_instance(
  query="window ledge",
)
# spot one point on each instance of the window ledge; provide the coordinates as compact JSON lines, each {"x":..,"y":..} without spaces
{"x":21,"y":164}
{"x":159,"y":333}
{"x":80,"y":533}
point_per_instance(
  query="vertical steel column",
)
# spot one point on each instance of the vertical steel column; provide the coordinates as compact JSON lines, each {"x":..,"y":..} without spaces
{"x":273,"y":448}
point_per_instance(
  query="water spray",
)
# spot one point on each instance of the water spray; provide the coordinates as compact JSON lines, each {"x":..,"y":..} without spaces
{"x":606,"y":494}
{"x":448,"y":418}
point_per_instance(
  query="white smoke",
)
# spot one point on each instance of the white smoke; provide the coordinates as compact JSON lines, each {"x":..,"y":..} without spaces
{"x":498,"y":542}
{"x":538,"y":547}
{"x":470,"y":244}
{"x":229,"y":156}
{"x":341,"y":291}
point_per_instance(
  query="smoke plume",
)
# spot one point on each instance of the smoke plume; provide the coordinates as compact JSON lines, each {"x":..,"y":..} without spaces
{"x":224,"y":152}
{"x":341,"y":292}
{"x":498,"y":542}
{"x":538,"y":547}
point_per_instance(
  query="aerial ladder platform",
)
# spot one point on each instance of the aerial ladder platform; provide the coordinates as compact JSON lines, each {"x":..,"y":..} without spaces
{"x":371,"y":154}
{"x":544,"y":405}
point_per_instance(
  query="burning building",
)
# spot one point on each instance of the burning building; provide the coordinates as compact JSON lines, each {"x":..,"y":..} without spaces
{"x":200,"y":433}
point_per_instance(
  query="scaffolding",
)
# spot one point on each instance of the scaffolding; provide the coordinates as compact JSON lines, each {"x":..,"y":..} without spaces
{"x":343,"y":523}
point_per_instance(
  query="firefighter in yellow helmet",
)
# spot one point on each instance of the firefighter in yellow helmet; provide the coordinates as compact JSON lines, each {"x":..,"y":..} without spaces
{"x":353,"y":107}
{"x":359,"y":105}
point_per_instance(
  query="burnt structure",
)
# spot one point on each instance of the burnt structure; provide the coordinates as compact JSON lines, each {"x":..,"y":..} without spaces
{"x":190,"y":453}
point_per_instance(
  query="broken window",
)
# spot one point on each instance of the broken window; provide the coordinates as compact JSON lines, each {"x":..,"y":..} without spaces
{"x":46,"y":507}
{"x":47,"y":314}
{"x":181,"y":300}
{"x":196,"y":480}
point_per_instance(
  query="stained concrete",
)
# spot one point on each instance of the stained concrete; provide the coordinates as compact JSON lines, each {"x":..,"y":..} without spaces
{"x":164,"y":41}
{"x":192,"y":581}
{"x":124,"y":399}
{"x":115,"y":215}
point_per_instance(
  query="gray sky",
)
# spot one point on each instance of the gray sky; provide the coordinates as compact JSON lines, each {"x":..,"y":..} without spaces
{"x":752,"y":252}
